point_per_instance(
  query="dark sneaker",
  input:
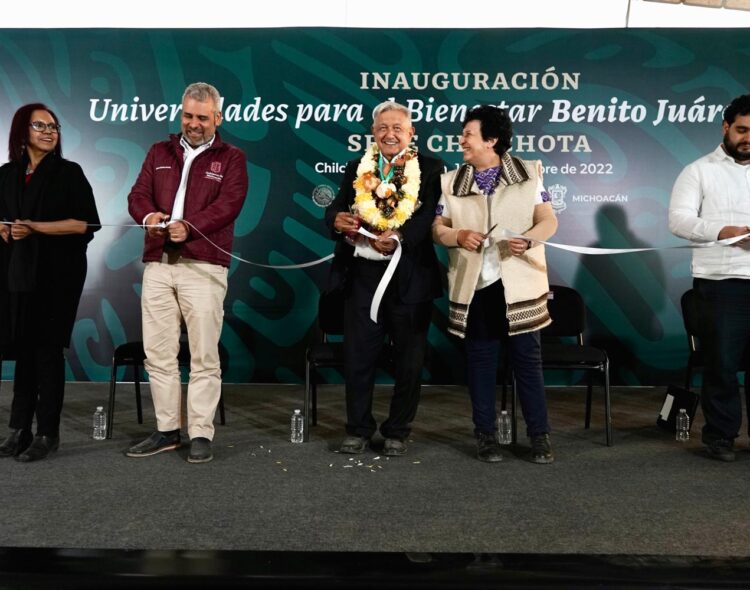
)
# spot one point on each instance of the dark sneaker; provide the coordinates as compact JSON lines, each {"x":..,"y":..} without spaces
{"x":541,"y":450}
{"x":40,"y":447}
{"x":354,"y":445}
{"x":158,"y":442}
{"x":488,"y":449}
{"x":720,"y":449}
{"x":200,"y":450}
{"x":394,"y":447}
{"x":16,"y":443}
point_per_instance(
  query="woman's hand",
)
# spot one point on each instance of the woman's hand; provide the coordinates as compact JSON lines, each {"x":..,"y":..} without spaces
{"x":518,"y":246}
{"x":4,"y":232}
{"x":469,"y":240}
{"x":21,"y":229}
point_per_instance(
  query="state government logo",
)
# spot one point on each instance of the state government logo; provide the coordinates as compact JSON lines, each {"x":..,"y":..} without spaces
{"x":557,"y":194}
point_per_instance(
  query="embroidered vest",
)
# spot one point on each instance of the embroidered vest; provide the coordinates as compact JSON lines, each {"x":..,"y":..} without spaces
{"x":512,"y":207}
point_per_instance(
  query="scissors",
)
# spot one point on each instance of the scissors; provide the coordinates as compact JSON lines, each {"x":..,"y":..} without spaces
{"x":489,"y":231}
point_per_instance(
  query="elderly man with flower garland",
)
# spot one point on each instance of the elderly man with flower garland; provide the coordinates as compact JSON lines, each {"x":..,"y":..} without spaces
{"x":391,"y":191}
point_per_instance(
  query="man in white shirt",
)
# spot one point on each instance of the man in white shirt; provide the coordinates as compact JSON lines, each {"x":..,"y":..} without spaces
{"x":711,"y":201}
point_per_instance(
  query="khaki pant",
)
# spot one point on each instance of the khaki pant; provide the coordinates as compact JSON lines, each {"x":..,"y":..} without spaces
{"x":193,"y":291}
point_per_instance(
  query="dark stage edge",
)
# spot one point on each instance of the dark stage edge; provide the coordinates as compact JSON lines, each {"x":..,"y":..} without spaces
{"x":31,"y":569}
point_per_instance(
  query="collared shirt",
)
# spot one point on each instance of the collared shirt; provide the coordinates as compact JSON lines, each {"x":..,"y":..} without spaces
{"x":491,"y":269}
{"x":709,"y":194}
{"x":189,"y":154}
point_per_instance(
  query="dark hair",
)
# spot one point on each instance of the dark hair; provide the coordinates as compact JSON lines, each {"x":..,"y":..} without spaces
{"x":494,"y":124}
{"x":739,"y":106}
{"x":19,"y":131}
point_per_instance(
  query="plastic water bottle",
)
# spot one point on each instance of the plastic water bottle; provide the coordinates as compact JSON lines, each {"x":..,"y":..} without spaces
{"x":298,"y":427}
{"x":682,"y":426}
{"x":504,"y":429}
{"x":100,"y":424}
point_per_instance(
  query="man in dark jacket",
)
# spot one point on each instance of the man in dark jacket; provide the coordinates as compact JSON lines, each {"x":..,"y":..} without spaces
{"x":188,"y":194}
{"x":392,"y":191}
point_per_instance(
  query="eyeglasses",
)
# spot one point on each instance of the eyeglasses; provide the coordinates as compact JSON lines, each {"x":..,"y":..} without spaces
{"x":41,"y":126}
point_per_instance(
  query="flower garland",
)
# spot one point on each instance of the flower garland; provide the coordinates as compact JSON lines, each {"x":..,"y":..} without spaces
{"x":386,"y":205}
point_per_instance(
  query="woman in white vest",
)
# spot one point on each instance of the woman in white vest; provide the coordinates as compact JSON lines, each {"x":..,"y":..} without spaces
{"x":498,"y":283}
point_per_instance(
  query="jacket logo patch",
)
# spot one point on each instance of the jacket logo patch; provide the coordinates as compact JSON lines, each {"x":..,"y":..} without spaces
{"x":216,"y":167}
{"x":215,"y":177}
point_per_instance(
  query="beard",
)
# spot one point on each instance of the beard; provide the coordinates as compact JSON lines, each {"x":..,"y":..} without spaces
{"x":733,"y":149}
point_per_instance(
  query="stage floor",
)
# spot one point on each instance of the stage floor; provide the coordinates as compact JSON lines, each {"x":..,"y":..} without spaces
{"x":645,"y":496}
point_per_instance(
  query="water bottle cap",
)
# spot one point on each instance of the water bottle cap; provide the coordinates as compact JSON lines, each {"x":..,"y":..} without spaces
{"x":683,"y":411}
{"x":99,"y":408}
{"x":296,"y":411}
{"x":504,"y":413}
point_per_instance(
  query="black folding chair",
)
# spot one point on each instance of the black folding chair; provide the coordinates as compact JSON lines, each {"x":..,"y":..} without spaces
{"x":131,"y":354}
{"x":563,"y":349}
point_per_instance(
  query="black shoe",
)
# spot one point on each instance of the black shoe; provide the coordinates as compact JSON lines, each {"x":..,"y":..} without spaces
{"x":354,"y":445}
{"x":158,"y":442}
{"x":720,"y":449}
{"x":394,"y":447}
{"x":541,"y":449}
{"x":488,"y":449}
{"x":39,"y":448}
{"x":200,"y":450}
{"x":16,"y":443}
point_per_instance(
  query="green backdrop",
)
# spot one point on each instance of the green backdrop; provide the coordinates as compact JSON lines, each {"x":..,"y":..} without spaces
{"x":613,"y":114}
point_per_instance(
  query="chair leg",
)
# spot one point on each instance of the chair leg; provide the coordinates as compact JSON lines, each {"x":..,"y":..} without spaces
{"x":137,"y":382}
{"x":607,"y":404}
{"x":314,"y":392}
{"x":306,"y":405}
{"x":688,"y":375}
{"x":513,"y":396}
{"x":504,"y":394}
{"x":111,"y":405}
{"x":589,"y":388}
{"x":222,"y":415}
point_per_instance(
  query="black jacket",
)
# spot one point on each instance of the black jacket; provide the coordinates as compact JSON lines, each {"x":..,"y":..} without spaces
{"x":418,"y":274}
{"x":42,"y":276}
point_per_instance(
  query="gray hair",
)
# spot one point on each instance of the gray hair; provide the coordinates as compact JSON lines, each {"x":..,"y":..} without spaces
{"x":390,"y":105}
{"x":203,"y":92}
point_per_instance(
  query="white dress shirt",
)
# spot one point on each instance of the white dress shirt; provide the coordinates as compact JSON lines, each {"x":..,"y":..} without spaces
{"x":709,"y":194}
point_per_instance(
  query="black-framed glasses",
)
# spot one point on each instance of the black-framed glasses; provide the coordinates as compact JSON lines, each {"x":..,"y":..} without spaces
{"x":41,"y":126}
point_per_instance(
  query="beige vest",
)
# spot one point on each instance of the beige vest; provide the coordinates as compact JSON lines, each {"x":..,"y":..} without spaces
{"x":512,"y":207}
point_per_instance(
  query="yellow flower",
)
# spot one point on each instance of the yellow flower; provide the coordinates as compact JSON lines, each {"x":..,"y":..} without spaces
{"x":389,"y":195}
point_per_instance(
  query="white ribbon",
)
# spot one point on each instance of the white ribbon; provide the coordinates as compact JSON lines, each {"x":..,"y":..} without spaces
{"x":507,"y":234}
{"x":162,"y":225}
{"x":387,"y":275}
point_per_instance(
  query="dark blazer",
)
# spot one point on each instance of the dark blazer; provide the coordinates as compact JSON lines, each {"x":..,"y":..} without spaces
{"x":43,"y":275}
{"x":418,"y":274}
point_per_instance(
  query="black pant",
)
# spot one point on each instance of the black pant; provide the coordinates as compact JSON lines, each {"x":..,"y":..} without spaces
{"x":407,"y":325}
{"x":38,"y":387}
{"x":726,"y":333}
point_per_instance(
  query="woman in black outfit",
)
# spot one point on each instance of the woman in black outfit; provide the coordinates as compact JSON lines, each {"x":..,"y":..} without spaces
{"x":47,"y":205}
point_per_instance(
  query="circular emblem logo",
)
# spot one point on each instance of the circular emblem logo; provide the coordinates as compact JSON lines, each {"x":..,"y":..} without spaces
{"x":323,"y":195}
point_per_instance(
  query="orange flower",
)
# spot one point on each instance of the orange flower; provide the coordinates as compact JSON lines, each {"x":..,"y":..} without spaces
{"x":369,"y":181}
